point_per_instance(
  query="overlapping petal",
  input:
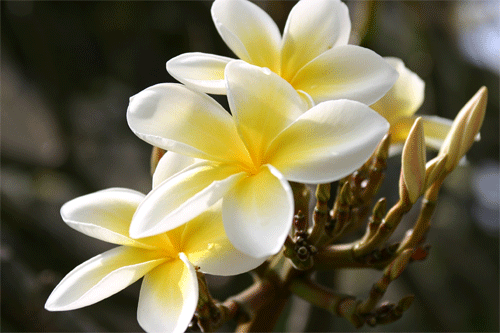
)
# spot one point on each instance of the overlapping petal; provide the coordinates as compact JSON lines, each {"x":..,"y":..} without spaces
{"x":172,"y":117}
{"x":206,"y":245}
{"x":102,"y":276}
{"x":183,"y":197}
{"x":328,"y":142}
{"x":170,"y":164}
{"x":347,"y":71}
{"x":313,"y":27}
{"x":405,"y":96}
{"x":258,"y":212}
{"x":106,"y":215}
{"x":260,"y":111}
{"x":200,"y":70}
{"x":168,"y":298}
{"x":248,"y":31}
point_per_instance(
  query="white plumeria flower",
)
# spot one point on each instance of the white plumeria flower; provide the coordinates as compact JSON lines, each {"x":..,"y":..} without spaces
{"x":169,"y":291}
{"x":313,"y":55}
{"x":249,"y":157}
{"x":399,"y":105}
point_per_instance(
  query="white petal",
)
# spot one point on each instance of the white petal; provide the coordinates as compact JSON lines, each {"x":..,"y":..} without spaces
{"x":262,"y":103}
{"x":405,"y":96}
{"x":182,"y":198}
{"x":206,"y":245}
{"x":170,"y":164}
{"x":172,"y":117}
{"x":105,"y":215}
{"x":313,"y":27}
{"x":328,"y":142}
{"x":248,"y":31}
{"x":200,"y":71}
{"x":168,"y":298}
{"x":258,"y":213}
{"x":349,"y":72}
{"x":101,"y":277}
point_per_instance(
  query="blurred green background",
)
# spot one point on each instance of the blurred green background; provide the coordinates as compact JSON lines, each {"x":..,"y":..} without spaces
{"x":67,"y":71}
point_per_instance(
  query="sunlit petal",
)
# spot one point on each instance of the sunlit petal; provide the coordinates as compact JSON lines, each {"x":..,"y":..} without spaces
{"x":102,"y":276}
{"x":349,"y":72}
{"x":168,"y":298}
{"x":262,"y":103}
{"x":328,"y":142}
{"x":258,"y":212}
{"x":248,"y":31}
{"x":200,"y":71}
{"x":405,"y":96}
{"x":106,"y":215}
{"x":169,"y":165}
{"x":206,"y":245}
{"x":313,"y":27}
{"x":172,"y":117}
{"x":182,"y":198}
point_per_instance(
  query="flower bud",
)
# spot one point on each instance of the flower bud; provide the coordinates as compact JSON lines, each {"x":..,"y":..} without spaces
{"x":413,"y":161}
{"x":465,"y":129}
{"x":434,"y":169}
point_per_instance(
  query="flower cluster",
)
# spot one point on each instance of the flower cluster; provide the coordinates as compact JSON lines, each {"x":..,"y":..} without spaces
{"x":222,"y":202}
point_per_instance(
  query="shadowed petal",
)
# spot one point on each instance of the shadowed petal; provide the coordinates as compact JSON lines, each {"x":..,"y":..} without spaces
{"x":313,"y":27}
{"x":349,"y":72}
{"x":183,"y":197}
{"x":200,"y":71}
{"x":258,"y":212}
{"x":102,"y":276}
{"x":405,"y":96}
{"x":206,"y":245}
{"x":435,"y":129}
{"x":328,"y":142}
{"x":168,"y":298}
{"x":248,"y":31}
{"x":169,"y":165}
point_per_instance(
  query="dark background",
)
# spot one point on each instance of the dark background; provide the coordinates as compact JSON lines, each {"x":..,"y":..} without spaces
{"x":67,"y":71}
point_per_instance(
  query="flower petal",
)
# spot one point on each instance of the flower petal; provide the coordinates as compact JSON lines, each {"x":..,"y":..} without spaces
{"x":349,"y":72}
{"x":248,"y":31}
{"x":313,"y":27}
{"x":182,"y":198}
{"x":170,"y":164}
{"x":435,"y":129}
{"x":102,"y":276}
{"x":168,"y":298}
{"x":258,"y":213}
{"x":261,"y":110}
{"x":172,"y":117}
{"x":405,"y":96}
{"x":206,"y":245}
{"x":200,"y":71}
{"x":106,"y":215}
{"x":328,"y":142}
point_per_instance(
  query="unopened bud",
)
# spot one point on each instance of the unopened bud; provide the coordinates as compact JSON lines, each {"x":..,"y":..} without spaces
{"x":465,"y":128}
{"x":413,"y":161}
{"x":434,"y":169}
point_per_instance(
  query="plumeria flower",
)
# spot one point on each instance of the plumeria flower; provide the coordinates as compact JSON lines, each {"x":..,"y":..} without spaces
{"x":247,"y":158}
{"x":313,"y":55}
{"x":169,"y":291}
{"x":399,"y":105}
